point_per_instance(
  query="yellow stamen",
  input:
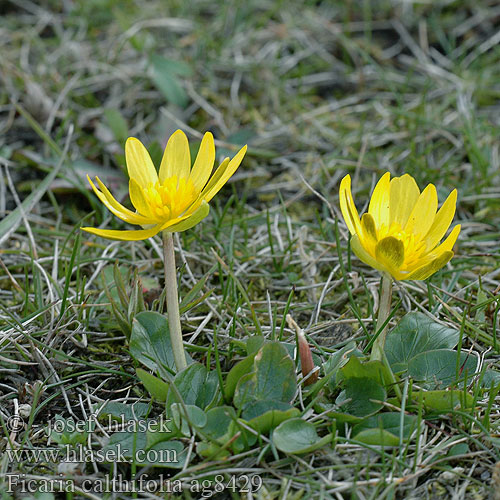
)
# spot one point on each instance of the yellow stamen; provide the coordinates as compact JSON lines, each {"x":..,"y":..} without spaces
{"x":170,"y":198}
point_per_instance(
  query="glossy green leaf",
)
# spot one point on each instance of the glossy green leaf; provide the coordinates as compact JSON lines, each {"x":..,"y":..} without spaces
{"x":254,"y":343}
{"x":335,"y":362}
{"x":377,"y":437}
{"x":150,"y":342}
{"x":458,"y":449}
{"x":375,"y":370}
{"x":256,"y":408}
{"x":155,"y":386}
{"x":222,"y":426}
{"x":195,"y":417}
{"x":384,"y":429}
{"x":361,"y":397}
{"x":273,"y":377}
{"x":414,"y":334}
{"x":298,"y":436}
{"x":490,"y":379}
{"x":219,"y":421}
{"x":240,"y":369}
{"x":132,"y":447}
{"x":268,"y":420}
{"x":438,"y":369}
{"x":195,"y":385}
{"x":122,"y":411}
{"x":445,"y":400}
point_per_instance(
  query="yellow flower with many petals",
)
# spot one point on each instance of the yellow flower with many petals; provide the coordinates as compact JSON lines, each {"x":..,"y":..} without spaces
{"x":174,"y":199}
{"x":401,"y":231}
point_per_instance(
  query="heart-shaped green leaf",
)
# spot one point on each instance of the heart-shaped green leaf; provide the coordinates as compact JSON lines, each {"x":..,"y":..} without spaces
{"x":155,"y":386}
{"x":272,"y":418}
{"x":273,"y":378}
{"x":195,"y":416}
{"x":361,"y":397}
{"x":131,"y":447}
{"x":195,"y":385}
{"x":298,"y":436}
{"x":374,"y":370}
{"x":490,"y":379}
{"x":414,"y":334}
{"x":445,"y":401}
{"x":240,"y":369}
{"x":335,"y":362}
{"x":384,"y":429}
{"x":256,"y":408}
{"x":441,"y":368}
{"x":222,"y":426}
{"x":123,"y":412}
{"x":254,"y":344}
{"x":150,"y":342}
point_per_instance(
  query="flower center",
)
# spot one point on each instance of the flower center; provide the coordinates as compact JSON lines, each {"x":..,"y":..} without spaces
{"x":171,"y":198}
{"x":414,"y":245}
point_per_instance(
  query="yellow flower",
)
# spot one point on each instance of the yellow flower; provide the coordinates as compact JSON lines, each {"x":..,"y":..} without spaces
{"x":176,"y":198}
{"x":401,"y":231}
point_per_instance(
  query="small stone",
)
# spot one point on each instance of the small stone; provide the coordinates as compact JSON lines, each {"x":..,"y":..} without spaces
{"x":25,"y":410}
{"x":451,"y":475}
{"x":70,"y":468}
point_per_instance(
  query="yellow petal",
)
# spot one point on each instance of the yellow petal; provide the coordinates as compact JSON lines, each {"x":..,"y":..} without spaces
{"x":116,"y":208}
{"x":192,"y":220}
{"x":176,"y":157}
{"x":222,"y":175}
{"x":449,"y":242}
{"x":135,"y":235}
{"x":363,"y":255}
{"x":216,"y":177}
{"x":424,"y":212}
{"x":446,"y":246}
{"x":368,"y":225}
{"x":404,"y":194}
{"x":431,"y":267}
{"x":390,"y":252}
{"x":178,"y":220}
{"x":348,"y":207}
{"x":138,"y":199}
{"x":139,"y":164}
{"x":379,"y":202}
{"x":204,"y":162}
{"x":442,"y":221}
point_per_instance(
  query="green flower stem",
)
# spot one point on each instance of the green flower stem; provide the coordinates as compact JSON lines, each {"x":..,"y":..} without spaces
{"x":174,"y":320}
{"x":384,"y":309}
